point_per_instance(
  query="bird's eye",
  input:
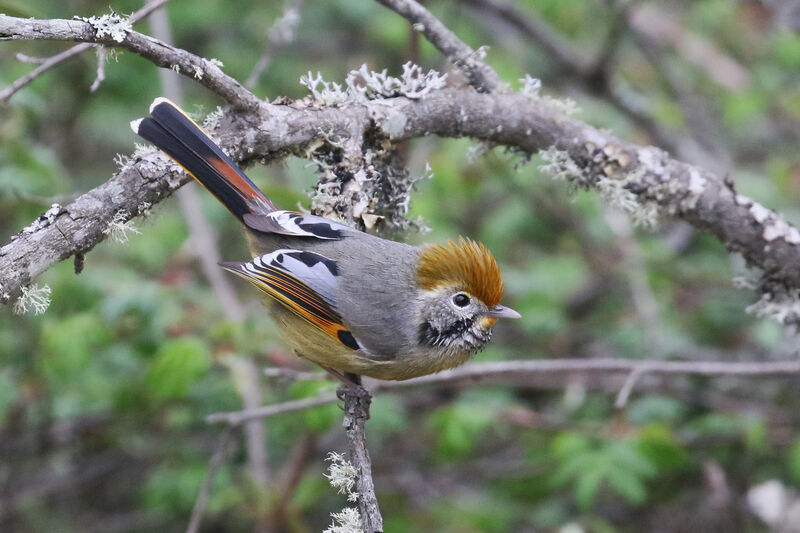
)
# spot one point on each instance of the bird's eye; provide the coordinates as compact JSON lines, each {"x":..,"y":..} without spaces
{"x":461,"y":299}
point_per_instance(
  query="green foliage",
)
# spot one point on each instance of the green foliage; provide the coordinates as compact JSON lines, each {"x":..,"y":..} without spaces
{"x":320,"y":418}
{"x":457,"y":428}
{"x":588,"y":463}
{"x":178,"y":363}
{"x":658,"y":444}
{"x":793,"y":461}
{"x":104,"y":397}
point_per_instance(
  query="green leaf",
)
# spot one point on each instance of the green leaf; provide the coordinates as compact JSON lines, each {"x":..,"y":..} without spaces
{"x":70,"y":344}
{"x":567,"y":444}
{"x":178,"y":363}
{"x":458,"y":428}
{"x":575,"y":467}
{"x":794,"y":462}
{"x":320,"y":418}
{"x":587,"y":486}
{"x":661,"y":448}
{"x":625,"y":456}
{"x":655,"y":408}
{"x":627,"y":485}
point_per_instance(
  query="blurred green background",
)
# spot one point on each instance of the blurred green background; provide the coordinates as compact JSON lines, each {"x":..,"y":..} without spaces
{"x":103,"y":398}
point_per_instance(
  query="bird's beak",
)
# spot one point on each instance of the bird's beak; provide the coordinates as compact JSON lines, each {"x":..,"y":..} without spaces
{"x":501,"y":311}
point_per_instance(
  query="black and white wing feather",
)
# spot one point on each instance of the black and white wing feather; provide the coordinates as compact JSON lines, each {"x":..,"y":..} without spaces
{"x":296,"y":225}
{"x":305,"y":283}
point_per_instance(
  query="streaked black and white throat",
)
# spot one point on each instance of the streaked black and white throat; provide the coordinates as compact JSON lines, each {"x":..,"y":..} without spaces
{"x":462,"y":334}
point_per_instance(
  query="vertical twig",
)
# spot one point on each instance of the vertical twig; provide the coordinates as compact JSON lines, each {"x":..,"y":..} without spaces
{"x":356,"y":412}
{"x":204,"y":245}
{"x":281,"y":33}
{"x":213,"y":464}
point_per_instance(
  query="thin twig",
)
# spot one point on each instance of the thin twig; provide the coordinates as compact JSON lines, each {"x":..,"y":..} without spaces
{"x":516,"y":373}
{"x":203,"y":71}
{"x":201,"y":502}
{"x":480,"y":75}
{"x":281,"y":33}
{"x":356,"y":413}
{"x":289,"y":374}
{"x":627,"y":387}
{"x":235,"y":418}
{"x":291,"y":475}
{"x":48,"y":63}
{"x":101,"y":69}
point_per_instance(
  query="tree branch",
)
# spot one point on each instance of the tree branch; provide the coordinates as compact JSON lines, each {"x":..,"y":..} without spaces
{"x":214,"y":462}
{"x":236,"y":418}
{"x":51,"y":62}
{"x":356,"y":413}
{"x":205,"y":72}
{"x":522,"y":373}
{"x":480,"y":75}
{"x":705,"y":200}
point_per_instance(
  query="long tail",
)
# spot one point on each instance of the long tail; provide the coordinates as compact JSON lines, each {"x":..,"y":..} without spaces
{"x":171,"y":130}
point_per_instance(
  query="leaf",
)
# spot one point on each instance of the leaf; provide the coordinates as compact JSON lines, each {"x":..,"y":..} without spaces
{"x":661,"y":448}
{"x":70,"y":344}
{"x":587,"y":486}
{"x":574,"y":467}
{"x":319,"y":418}
{"x":794,"y":462}
{"x":627,"y":484}
{"x":567,"y":444}
{"x":178,"y":363}
{"x":625,"y":456}
{"x":655,"y":408}
{"x":458,"y":428}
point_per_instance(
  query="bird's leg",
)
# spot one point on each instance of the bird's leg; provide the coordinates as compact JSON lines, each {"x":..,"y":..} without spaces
{"x":352,"y":381}
{"x":351,"y":389}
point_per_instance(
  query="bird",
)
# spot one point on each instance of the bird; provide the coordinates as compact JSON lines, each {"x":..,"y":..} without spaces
{"x":352,"y":302}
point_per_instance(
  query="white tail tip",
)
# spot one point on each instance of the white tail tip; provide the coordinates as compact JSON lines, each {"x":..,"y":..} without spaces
{"x":159,"y":100}
{"x":135,"y":125}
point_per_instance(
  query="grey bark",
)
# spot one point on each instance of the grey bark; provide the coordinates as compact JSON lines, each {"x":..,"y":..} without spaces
{"x":707,"y":201}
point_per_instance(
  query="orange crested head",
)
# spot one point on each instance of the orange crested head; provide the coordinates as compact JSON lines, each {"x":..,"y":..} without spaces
{"x":466,"y":266}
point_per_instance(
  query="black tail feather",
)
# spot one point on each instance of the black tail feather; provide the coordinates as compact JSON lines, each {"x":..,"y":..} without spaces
{"x":185,"y":142}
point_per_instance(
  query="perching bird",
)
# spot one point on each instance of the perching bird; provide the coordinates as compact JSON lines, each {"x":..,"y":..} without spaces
{"x":347,"y":300}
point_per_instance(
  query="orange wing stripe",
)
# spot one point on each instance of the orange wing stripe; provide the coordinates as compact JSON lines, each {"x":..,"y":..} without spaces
{"x":301,"y":300}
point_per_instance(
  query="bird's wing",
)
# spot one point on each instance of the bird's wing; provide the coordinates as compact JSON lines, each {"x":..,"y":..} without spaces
{"x":295,"y":224}
{"x":304,"y":282}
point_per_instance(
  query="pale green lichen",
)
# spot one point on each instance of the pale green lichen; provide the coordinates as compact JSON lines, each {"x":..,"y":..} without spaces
{"x":560,"y":166}
{"x":613,"y":188}
{"x":342,"y":475}
{"x":532,"y":87}
{"x":119,"y":229}
{"x":779,"y":304}
{"x":364,"y":84}
{"x":476,"y":151}
{"x":110,"y":25}
{"x":347,"y":521}
{"x":33,"y":298}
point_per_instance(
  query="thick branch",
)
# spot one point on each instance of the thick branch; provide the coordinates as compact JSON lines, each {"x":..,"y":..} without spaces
{"x":159,"y":53}
{"x":704,"y":199}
